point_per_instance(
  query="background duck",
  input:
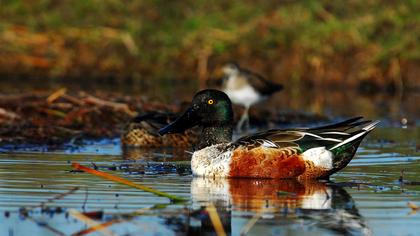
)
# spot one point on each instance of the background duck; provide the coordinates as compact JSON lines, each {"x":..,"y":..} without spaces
{"x":142,"y":131}
{"x":246,"y":88}
{"x":279,"y":153}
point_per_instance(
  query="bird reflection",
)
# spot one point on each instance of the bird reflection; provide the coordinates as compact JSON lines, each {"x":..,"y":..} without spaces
{"x":155,"y":154}
{"x":325,"y":206}
{"x":155,"y":161}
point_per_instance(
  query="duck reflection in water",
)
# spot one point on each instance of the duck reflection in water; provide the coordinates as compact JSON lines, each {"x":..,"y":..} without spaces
{"x":283,"y":206}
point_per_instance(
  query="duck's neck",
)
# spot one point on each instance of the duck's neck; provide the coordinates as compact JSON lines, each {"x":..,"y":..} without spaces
{"x":212,"y":135}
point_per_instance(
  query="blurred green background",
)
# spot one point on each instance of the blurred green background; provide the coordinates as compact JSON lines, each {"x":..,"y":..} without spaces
{"x":342,"y":43}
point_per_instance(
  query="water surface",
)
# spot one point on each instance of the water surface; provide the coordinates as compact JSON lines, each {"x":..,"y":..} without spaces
{"x":363,"y":199}
{"x":366,"y":198}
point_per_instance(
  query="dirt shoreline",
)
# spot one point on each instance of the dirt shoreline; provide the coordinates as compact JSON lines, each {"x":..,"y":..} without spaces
{"x":58,"y":117}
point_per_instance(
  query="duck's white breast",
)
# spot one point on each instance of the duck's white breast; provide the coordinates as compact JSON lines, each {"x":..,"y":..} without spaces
{"x":320,"y":156}
{"x":212,"y":161}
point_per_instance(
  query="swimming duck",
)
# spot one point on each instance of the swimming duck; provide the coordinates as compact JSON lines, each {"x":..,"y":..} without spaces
{"x":142,"y":131}
{"x":246,"y":88}
{"x":303,"y":153}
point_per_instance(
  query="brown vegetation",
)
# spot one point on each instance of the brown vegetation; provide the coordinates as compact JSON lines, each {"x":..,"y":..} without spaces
{"x":372,"y":43}
{"x":58,"y":117}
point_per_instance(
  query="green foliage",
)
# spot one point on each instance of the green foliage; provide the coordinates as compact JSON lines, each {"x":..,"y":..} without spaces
{"x":172,"y":34}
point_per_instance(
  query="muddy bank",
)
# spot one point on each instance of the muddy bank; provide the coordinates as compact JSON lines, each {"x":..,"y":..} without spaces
{"x":55,"y":118}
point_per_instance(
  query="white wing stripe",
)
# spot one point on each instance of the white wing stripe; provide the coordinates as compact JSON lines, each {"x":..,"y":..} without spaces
{"x":339,"y":133}
{"x":319,"y":137}
{"x":268,"y":143}
{"x":348,"y":140}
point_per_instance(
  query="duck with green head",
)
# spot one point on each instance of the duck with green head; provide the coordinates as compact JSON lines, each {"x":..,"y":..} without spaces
{"x":304,"y":153}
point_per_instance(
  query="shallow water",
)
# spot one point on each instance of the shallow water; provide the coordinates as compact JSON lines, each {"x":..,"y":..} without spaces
{"x":365,"y":198}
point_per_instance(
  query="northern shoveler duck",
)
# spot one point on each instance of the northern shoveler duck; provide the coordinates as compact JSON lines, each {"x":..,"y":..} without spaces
{"x":142,"y":131}
{"x":246,"y":88}
{"x":279,"y":153}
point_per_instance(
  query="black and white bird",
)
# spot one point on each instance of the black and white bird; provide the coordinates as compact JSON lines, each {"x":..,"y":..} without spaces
{"x":246,"y":88}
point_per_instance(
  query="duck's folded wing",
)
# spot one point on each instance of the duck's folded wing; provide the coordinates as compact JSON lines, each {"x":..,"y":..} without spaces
{"x":302,"y":139}
{"x":271,"y":138}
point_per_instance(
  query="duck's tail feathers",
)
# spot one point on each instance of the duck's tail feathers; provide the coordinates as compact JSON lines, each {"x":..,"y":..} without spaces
{"x":342,"y":125}
{"x":358,"y":135}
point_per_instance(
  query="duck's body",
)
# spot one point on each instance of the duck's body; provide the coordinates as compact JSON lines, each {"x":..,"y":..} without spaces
{"x":294,"y":153}
{"x":279,"y":154}
{"x":246,"y":88}
{"x":262,"y":162}
{"x":142,"y":131}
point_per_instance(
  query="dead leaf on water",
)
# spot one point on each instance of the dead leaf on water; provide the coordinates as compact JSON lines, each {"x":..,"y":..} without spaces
{"x":414,"y":208}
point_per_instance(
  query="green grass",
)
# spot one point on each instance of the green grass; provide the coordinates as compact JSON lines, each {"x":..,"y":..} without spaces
{"x":307,"y":40}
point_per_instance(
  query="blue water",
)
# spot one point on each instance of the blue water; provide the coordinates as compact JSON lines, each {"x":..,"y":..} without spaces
{"x":365,"y":198}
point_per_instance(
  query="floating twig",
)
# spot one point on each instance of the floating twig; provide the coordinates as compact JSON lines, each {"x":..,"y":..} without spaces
{"x":215,"y":220}
{"x":127,"y":182}
{"x":97,"y":227}
{"x":58,"y":197}
{"x":90,"y":222}
{"x":414,"y":208}
{"x":46,"y":226}
{"x":86,"y":198}
{"x":251,"y":223}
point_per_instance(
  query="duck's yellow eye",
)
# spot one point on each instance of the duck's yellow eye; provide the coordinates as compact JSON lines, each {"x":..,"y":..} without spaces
{"x":210,"y":101}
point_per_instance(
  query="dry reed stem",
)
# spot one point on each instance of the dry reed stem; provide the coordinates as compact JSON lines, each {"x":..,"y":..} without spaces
{"x":47,"y":226}
{"x":58,"y":197}
{"x":91,"y":223}
{"x":414,"y":208}
{"x":97,"y":227}
{"x":126,"y":182}
{"x":215,"y":220}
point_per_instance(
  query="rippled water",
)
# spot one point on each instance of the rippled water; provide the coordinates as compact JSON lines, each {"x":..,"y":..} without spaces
{"x":365,"y":198}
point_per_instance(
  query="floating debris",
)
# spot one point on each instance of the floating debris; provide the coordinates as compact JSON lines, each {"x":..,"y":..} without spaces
{"x":127,"y":182}
{"x":215,"y":220}
{"x":97,"y":215}
{"x":90,"y":222}
{"x":252,"y":222}
{"x":414,"y":208}
{"x":96,"y":227}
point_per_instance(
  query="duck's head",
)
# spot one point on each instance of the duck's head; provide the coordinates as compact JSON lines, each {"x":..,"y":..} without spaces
{"x":230,"y":68}
{"x":209,"y":108}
